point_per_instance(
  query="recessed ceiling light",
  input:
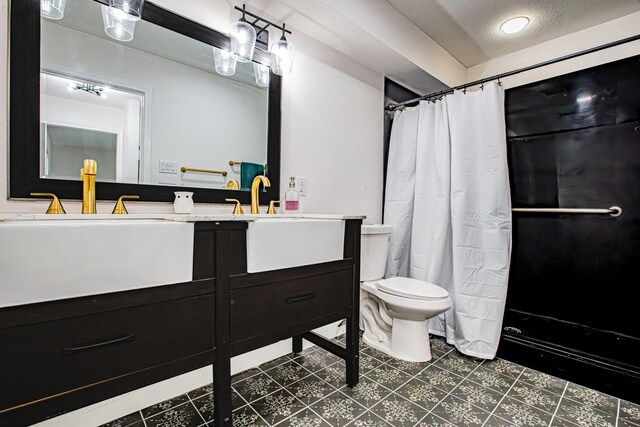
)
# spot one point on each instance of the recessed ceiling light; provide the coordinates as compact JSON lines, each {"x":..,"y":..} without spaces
{"x":514,"y":25}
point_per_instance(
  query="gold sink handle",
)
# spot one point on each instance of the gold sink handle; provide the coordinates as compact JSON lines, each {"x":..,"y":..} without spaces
{"x":233,"y":184}
{"x":120,"y":208}
{"x":55,"y":207}
{"x":272,"y":206}
{"x":237,"y":210}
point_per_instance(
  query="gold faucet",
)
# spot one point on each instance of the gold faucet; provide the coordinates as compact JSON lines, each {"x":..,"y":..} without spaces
{"x":255,"y":186}
{"x":88,"y":177}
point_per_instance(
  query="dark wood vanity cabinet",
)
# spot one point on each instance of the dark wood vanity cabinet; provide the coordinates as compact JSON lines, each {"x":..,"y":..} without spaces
{"x":62,"y":355}
{"x":257,"y":309}
{"x":292,"y":301}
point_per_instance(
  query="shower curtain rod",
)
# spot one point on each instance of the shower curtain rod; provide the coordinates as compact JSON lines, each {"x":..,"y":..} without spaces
{"x":392,"y":107}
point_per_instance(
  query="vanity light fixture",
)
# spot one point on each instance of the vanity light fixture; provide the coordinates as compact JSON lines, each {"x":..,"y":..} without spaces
{"x":224,"y":61}
{"x":261,"y":73}
{"x":52,"y":9}
{"x":243,"y":40}
{"x":282,"y":53}
{"x":514,"y":25}
{"x":120,"y":18}
{"x":117,"y":24}
{"x":131,"y":8}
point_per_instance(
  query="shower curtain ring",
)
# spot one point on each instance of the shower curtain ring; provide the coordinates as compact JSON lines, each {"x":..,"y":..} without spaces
{"x":499,"y":82}
{"x":464,"y":90}
{"x":482,"y":86}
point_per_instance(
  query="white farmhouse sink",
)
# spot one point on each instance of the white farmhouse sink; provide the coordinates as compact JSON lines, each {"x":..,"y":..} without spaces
{"x":275,"y":243}
{"x":54,"y":259}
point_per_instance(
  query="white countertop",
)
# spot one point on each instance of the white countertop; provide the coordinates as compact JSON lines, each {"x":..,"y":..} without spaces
{"x":171,"y":217}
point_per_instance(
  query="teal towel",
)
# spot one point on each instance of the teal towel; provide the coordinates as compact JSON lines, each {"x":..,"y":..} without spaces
{"x":248,"y":171}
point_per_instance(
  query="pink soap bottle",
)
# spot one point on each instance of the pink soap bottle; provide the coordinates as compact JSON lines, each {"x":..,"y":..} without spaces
{"x":291,"y":197}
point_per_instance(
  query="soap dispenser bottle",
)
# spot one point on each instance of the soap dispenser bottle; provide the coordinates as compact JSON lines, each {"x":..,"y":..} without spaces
{"x":291,"y":197}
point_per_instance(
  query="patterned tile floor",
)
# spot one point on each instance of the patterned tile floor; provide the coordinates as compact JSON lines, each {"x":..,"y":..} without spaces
{"x":308,"y":389}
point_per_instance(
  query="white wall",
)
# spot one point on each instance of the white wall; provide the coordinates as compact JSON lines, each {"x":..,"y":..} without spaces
{"x":66,"y":112}
{"x":331,"y":126}
{"x":332,"y":133}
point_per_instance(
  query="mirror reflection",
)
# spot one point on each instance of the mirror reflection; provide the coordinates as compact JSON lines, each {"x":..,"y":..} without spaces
{"x":152,"y":110}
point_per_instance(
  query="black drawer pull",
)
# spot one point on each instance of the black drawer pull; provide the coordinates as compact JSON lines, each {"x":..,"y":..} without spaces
{"x":300,"y":298}
{"x":78,"y":349}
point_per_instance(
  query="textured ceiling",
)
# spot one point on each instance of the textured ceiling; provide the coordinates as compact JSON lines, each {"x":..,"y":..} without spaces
{"x":469,"y":29}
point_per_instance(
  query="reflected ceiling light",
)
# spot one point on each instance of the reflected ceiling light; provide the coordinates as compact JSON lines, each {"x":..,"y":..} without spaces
{"x":88,"y":88}
{"x":261,"y":73}
{"x":585,"y":99}
{"x":282,"y":53}
{"x":117,"y":25}
{"x":131,"y":8}
{"x":224,"y":61}
{"x":243,"y":38}
{"x":52,"y":9}
{"x":514,"y":25}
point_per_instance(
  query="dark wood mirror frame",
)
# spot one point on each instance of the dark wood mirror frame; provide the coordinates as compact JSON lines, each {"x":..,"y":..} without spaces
{"x":24,"y":115}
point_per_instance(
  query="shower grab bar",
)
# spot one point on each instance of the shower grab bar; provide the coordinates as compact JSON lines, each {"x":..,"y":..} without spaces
{"x":614,"y":211}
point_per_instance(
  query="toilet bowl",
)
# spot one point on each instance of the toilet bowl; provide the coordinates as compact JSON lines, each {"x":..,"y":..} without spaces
{"x":395,"y":312}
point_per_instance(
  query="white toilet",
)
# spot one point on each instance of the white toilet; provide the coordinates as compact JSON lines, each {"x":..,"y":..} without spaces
{"x":395,"y":312}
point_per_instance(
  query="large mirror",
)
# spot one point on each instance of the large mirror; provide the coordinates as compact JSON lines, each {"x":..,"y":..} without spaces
{"x":153,"y":111}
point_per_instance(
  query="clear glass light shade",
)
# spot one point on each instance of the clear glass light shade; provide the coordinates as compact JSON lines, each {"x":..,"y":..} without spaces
{"x":261,"y":73}
{"x":224,"y":61}
{"x":243,"y":40}
{"x":132,"y":8}
{"x":117,"y":25}
{"x":52,"y":9}
{"x":282,"y":57}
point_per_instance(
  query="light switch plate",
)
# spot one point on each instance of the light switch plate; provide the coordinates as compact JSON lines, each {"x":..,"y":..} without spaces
{"x":168,"y":166}
{"x":301,"y":186}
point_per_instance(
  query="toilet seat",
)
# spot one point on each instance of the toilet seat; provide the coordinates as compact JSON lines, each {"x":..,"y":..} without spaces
{"x":412,"y":288}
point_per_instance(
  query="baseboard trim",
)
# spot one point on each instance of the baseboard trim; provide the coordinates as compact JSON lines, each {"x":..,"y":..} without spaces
{"x":616,"y":380}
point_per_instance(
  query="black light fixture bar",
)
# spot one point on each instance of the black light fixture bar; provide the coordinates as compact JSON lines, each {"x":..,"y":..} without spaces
{"x":260,"y":19}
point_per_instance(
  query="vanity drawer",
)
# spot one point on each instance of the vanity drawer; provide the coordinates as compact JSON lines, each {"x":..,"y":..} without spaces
{"x":286,"y":305}
{"x":44,"y":359}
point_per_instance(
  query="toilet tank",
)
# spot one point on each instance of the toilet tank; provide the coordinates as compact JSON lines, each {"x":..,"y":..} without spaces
{"x":374,"y":250}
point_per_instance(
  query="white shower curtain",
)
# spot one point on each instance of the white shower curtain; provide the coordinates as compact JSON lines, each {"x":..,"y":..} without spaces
{"x":447,"y":196}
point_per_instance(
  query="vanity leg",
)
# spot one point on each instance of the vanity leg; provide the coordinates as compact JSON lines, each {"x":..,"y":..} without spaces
{"x":222,"y":394}
{"x":222,"y":367}
{"x":353,"y":351}
{"x":352,"y":249}
{"x":297,"y":344}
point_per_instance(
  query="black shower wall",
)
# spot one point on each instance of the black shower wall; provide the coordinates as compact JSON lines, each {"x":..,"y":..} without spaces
{"x":574,"y":142}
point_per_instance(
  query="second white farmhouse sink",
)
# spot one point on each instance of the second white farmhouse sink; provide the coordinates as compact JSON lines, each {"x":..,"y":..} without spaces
{"x":275,"y":243}
{"x":56,"y":259}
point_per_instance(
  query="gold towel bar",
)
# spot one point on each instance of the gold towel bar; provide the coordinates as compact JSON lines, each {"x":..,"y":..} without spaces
{"x":231,"y":163}
{"x":185,"y":169}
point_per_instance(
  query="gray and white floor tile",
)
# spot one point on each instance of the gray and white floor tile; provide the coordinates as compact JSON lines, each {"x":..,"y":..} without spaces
{"x":452,"y":390}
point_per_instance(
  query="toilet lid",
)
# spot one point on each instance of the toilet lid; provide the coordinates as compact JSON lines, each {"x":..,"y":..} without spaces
{"x":412,"y":288}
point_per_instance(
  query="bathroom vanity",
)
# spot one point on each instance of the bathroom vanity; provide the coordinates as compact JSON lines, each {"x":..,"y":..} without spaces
{"x":88,"y":343}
